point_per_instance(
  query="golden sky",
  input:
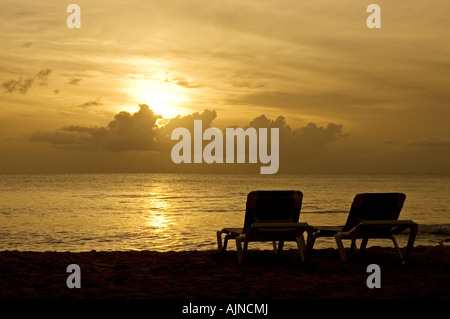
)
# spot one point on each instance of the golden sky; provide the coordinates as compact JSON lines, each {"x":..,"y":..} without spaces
{"x":351,"y":99}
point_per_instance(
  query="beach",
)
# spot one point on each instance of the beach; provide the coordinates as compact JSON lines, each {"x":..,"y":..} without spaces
{"x":211,"y":275}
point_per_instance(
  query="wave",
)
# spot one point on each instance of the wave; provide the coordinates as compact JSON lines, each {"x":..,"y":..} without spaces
{"x":437,"y":229}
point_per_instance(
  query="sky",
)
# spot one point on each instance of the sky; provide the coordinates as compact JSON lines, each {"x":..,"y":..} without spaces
{"x":105,"y":97}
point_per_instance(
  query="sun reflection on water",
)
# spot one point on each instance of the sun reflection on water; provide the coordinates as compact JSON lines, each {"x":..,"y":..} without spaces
{"x":157,"y":217}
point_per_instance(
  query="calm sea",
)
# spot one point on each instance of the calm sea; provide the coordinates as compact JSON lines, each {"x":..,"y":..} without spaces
{"x":103,"y":212}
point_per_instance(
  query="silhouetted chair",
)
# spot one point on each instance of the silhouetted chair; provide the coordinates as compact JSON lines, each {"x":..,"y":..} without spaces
{"x":372,"y":215}
{"x":269,"y":216}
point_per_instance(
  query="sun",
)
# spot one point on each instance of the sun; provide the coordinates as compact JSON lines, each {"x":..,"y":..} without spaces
{"x":163,"y":98}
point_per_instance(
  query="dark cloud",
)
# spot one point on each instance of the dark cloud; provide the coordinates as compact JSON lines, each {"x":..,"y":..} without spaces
{"x":431,"y":147}
{"x":23,"y":85}
{"x":186,"y":84}
{"x":126,"y":132}
{"x":431,"y":143}
{"x":246,"y":84}
{"x":71,"y":136}
{"x":20,"y":85}
{"x":187,"y":121}
{"x":133,"y":131}
{"x":313,"y":135}
{"x":310,"y":135}
{"x":74,"y":81}
{"x":140,"y":131}
{"x":42,"y":76}
{"x":95,"y":102}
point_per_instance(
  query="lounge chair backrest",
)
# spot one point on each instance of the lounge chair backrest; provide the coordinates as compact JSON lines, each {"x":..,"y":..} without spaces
{"x":374,"y":206}
{"x":272,"y":206}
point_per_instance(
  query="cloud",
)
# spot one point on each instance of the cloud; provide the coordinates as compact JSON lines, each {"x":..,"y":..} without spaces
{"x":310,"y":135}
{"x":186,"y":85}
{"x":72,"y":135}
{"x":20,"y":85}
{"x":74,"y":81}
{"x":23,"y":85}
{"x":207,"y":117}
{"x":140,"y":135}
{"x":95,"y":102}
{"x":431,"y":143}
{"x":125,"y":132}
{"x":42,"y":76}
{"x":246,"y":84}
{"x":139,"y":131}
{"x":431,"y":147}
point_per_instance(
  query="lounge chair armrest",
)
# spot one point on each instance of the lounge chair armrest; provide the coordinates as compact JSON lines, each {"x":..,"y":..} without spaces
{"x":392,"y":226}
{"x":280,"y":225}
{"x":386,"y":223}
{"x":346,"y":233}
{"x":382,"y":223}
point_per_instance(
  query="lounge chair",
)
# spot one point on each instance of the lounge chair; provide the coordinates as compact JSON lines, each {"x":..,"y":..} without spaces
{"x":372,"y":215}
{"x":269,"y":216}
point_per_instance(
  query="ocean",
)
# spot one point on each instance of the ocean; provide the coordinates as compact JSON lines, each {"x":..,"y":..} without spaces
{"x":163,"y":212}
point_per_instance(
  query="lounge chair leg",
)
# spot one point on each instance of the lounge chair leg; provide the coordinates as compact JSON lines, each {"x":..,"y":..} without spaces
{"x":410,"y":245}
{"x":225,"y":243}
{"x":399,"y":252}
{"x":280,"y":247}
{"x":274,"y":244}
{"x":301,"y":247}
{"x":239,"y":249}
{"x":301,"y":240}
{"x":340,"y":246}
{"x":353,"y":248}
{"x":353,"y":245}
{"x":245,"y":246}
{"x":310,"y":240}
{"x":364,"y":243}
{"x":219,"y":240}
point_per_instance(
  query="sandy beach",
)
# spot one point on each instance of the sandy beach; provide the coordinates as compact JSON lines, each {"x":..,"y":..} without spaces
{"x":214,"y":276}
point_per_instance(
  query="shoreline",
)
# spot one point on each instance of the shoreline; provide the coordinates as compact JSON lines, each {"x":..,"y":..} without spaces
{"x":210,"y":275}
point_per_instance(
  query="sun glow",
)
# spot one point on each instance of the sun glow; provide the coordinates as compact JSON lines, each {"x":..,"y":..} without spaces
{"x":164,"y":99}
{"x":157,"y":218}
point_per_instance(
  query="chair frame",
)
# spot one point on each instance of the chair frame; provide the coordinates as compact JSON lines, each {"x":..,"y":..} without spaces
{"x":263,"y":230}
{"x":274,"y":232}
{"x":386,"y":229}
{"x":359,"y":228}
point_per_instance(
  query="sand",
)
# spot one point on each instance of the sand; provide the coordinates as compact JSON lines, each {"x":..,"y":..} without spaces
{"x":214,"y":276}
{"x":151,"y":284}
